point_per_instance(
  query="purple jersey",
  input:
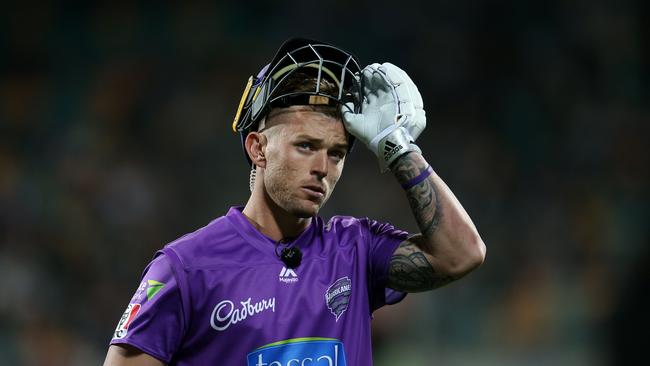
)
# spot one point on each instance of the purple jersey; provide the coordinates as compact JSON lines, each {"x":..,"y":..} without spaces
{"x":221,"y":296}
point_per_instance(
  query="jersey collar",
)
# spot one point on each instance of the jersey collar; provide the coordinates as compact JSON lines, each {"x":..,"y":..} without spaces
{"x":263,"y":242}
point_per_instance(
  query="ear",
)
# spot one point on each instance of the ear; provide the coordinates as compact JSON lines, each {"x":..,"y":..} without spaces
{"x":255,"y":146}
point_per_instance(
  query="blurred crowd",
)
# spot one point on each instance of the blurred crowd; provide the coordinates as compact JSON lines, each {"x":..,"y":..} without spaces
{"x":115,"y":139}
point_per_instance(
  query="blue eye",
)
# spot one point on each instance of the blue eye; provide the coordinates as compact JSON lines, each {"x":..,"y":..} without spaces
{"x":305,"y":145}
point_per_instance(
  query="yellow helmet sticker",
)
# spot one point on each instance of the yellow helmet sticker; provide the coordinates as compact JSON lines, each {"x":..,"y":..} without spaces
{"x":241,"y":103}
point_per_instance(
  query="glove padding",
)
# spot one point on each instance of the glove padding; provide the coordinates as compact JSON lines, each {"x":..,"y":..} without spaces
{"x":392,"y":114}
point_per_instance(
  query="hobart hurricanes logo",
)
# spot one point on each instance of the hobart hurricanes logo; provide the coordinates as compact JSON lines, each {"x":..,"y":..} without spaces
{"x":337,"y":296}
{"x":299,"y":351}
{"x":226,"y":313}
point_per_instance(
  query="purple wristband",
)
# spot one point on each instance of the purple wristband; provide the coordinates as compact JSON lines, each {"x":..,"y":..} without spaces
{"x":417,"y":180}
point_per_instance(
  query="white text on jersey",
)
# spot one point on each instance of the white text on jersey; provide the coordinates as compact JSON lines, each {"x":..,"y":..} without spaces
{"x":288,"y":275}
{"x":224,"y":314}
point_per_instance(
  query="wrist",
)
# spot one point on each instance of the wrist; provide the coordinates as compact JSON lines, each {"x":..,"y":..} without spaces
{"x":418,"y":179}
{"x":408,"y":155}
{"x":410,"y":170}
{"x":392,"y":147}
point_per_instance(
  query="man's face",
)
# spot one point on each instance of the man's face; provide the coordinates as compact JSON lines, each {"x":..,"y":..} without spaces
{"x":305,"y":154}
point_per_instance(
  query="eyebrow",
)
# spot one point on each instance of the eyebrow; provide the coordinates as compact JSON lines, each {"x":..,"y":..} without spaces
{"x":301,"y":136}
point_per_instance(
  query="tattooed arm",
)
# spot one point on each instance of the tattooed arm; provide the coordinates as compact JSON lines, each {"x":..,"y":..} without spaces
{"x":390,"y":120}
{"x":448,"y":246}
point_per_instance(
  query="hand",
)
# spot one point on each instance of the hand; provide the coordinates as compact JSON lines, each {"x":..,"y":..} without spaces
{"x":392,"y":115}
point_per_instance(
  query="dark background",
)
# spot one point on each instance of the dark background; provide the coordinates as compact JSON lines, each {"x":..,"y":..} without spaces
{"x":115,"y":139}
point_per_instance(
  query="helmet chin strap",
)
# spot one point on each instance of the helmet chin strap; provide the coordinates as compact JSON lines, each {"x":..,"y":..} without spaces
{"x":251,"y":178}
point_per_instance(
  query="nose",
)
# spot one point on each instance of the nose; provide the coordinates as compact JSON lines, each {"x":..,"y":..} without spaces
{"x":319,"y":164}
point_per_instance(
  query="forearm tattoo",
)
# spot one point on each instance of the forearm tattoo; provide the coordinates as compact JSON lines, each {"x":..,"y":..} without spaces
{"x":423,"y":197}
{"x":410,"y":270}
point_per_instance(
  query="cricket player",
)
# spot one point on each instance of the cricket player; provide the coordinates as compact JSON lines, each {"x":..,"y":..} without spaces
{"x":273,"y":284}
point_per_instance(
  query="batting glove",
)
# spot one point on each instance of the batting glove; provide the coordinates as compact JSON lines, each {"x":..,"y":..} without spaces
{"x":392,"y":114}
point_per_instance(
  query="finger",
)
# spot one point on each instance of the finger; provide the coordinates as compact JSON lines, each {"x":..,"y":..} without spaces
{"x":405,"y":88}
{"x":353,"y":121}
{"x":416,"y":124}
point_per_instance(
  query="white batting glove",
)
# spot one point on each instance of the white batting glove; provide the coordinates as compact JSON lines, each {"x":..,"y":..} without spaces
{"x":392,"y":114}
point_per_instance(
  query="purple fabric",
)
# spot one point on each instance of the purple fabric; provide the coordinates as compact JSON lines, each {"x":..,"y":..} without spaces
{"x":226,"y":297}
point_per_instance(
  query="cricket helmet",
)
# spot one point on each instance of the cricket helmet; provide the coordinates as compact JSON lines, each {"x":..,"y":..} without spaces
{"x":322,"y":60}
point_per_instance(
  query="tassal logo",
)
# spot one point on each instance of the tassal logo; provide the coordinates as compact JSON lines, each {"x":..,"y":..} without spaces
{"x":300,"y":352}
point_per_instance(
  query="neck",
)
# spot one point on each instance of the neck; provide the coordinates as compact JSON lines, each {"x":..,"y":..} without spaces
{"x":272,"y":220}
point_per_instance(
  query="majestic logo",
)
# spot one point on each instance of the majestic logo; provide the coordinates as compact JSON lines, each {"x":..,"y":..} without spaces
{"x":224,"y":314}
{"x":123,"y":325}
{"x":391,"y":149}
{"x":337,"y":296}
{"x":288,"y":275}
{"x":299,"y":352}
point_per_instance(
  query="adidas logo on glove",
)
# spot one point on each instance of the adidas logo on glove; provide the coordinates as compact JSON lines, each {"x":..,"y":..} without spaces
{"x":391,"y":149}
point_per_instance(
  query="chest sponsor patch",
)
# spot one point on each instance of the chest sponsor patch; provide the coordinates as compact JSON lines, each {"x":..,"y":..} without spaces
{"x":299,"y":352}
{"x":227,"y":313}
{"x":337,"y":296}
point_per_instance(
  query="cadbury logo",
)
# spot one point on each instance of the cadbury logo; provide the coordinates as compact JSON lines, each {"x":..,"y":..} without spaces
{"x":224,"y":314}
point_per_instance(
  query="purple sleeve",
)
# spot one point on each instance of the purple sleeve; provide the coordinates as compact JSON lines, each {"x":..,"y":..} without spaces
{"x":384,"y":239}
{"x":153,"y":320}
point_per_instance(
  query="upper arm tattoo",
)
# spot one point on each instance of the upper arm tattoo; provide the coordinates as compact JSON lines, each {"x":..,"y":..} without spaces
{"x":410,"y":270}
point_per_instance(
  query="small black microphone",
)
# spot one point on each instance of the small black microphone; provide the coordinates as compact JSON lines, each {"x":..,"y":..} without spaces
{"x":291,"y":257}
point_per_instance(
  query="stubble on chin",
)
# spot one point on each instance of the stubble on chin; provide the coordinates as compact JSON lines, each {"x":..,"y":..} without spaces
{"x":287,"y":199}
{"x":296,"y":205}
{"x":290,"y":198}
{"x":299,"y":206}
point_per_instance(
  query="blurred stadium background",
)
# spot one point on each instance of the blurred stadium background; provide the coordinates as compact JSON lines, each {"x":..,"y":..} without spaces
{"x":114,"y":139}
